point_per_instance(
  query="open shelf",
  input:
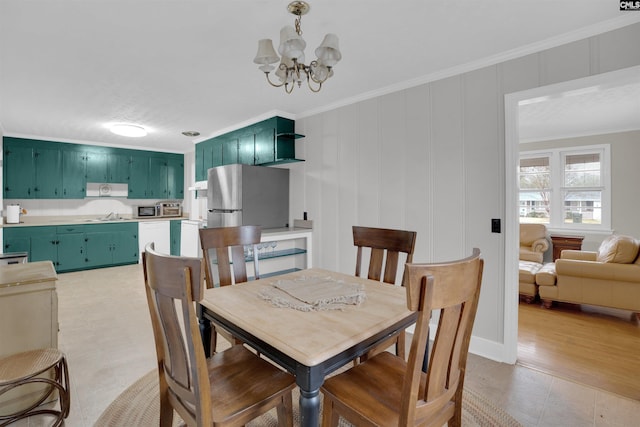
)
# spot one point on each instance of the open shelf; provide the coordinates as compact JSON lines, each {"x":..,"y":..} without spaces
{"x":277,"y":254}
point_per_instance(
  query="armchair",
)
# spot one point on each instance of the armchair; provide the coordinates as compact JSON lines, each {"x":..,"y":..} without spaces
{"x":533,"y":242}
{"x":609,"y":277}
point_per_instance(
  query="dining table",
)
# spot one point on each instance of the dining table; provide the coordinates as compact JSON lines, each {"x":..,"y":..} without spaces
{"x":309,"y":342}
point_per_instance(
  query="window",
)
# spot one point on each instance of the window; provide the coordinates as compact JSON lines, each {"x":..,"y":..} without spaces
{"x":566,"y":188}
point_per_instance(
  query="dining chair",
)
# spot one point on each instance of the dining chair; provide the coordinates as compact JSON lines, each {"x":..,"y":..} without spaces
{"x":223,"y":247}
{"x":386,"y":390}
{"x":385,"y":246}
{"x":228,"y":389}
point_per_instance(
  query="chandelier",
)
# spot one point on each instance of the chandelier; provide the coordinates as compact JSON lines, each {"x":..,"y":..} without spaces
{"x":292,"y":69}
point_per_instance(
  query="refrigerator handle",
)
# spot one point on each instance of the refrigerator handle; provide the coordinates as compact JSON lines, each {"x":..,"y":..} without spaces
{"x":225,"y":210}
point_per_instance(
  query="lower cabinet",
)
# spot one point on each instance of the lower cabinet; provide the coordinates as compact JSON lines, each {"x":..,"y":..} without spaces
{"x":112,"y":244}
{"x":76,"y":247}
{"x":175,"y":234}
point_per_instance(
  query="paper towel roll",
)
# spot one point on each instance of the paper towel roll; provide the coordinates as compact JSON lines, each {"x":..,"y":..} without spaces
{"x":13,"y":214}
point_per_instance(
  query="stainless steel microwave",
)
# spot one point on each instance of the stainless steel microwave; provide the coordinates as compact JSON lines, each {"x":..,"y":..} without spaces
{"x":146,"y":211}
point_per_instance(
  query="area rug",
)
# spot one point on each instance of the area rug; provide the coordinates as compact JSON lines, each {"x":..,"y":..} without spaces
{"x":139,"y":405}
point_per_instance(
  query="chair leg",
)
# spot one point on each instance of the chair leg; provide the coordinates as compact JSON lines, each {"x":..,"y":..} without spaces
{"x":214,"y":340}
{"x":400,"y":345}
{"x":285,"y":411}
{"x":330,"y":417}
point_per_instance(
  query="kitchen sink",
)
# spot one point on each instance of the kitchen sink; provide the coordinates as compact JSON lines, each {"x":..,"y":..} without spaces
{"x":111,"y":217}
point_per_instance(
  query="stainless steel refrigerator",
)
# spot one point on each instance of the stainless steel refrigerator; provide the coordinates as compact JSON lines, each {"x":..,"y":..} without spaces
{"x":248,"y":195}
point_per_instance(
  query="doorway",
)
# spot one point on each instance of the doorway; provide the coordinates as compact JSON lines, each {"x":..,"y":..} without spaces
{"x":512,"y":140}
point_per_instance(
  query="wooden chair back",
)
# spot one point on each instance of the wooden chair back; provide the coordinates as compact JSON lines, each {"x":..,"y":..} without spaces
{"x":383,"y":241}
{"x":228,"y":390}
{"x":385,"y":390}
{"x":172,"y":285}
{"x":225,"y":247}
{"x":454,"y":289}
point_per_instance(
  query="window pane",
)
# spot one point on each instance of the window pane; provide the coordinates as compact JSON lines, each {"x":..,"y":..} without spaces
{"x":534,"y":207}
{"x":582,"y":170}
{"x":535,"y":173}
{"x":583,"y":207}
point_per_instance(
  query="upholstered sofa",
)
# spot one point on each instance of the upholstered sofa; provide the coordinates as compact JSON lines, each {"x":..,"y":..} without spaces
{"x":533,"y":245}
{"x":609,"y":277}
{"x":533,"y":242}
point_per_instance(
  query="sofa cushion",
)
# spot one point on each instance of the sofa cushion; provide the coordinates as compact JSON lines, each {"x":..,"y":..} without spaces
{"x":546,"y":276}
{"x":618,"y":249}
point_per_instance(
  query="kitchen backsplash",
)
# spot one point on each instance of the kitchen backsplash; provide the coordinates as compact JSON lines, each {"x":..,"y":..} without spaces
{"x":97,"y":206}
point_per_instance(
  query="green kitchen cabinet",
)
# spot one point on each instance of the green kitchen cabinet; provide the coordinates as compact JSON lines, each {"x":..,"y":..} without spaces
{"x":264,"y":152}
{"x":175,"y":235}
{"x":118,"y":167}
{"x":160,"y":176}
{"x":139,"y":177}
{"x":210,"y":153}
{"x":275,"y":141}
{"x":43,"y":245}
{"x":76,"y":247}
{"x":48,"y":170}
{"x":17,"y":240}
{"x":74,"y":170}
{"x":19,"y":170}
{"x":157,"y":183}
{"x":246,"y":149}
{"x":97,"y":166}
{"x":266,"y":143}
{"x":111,"y":244}
{"x":57,"y":170}
{"x":107,"y":166}
{"x":32,"y":169}
{"x":175,"y":176}
{"x":229,"y":150}
{"x":71,"y":248}
{"x":38,"y":242}
{"x":203,"y":155}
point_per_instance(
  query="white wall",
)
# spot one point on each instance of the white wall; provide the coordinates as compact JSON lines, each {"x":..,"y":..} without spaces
{"x":432,"y":159}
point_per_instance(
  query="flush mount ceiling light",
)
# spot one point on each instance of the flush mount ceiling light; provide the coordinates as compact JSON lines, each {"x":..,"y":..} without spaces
{"x":292,"y":69}
{"x":190,"y":133}
{"x":123,"y":129}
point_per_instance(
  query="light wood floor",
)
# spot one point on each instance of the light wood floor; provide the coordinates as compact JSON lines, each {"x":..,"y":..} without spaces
{"x":591,"y":346}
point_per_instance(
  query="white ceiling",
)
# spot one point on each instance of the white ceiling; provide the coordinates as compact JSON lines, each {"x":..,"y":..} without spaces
{"x":68,"y":67}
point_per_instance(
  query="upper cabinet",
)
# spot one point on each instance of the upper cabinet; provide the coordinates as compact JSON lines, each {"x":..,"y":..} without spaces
{"x":269,"y":142}
{"x":31,"y":170}
{"x":55,"y":170}
{"x":108,"y":166}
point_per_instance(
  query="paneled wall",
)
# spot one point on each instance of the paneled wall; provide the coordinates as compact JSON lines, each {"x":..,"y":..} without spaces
{"x":432,"y":159}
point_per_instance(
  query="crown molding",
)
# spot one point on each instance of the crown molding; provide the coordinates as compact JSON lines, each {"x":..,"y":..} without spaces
{"x":562,"y":39}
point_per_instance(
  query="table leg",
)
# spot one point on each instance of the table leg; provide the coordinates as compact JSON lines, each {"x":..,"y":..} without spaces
{"x":310,"y":408}
{"x":205,"y":331}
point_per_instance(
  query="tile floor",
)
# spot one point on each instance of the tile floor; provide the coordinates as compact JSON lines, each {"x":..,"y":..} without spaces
{"x":106,"y":333}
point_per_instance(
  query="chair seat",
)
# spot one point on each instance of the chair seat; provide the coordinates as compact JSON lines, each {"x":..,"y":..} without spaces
{"x":30,"y":367}
{"x":28,"y":364}
{"x":239,"y":369}
{"x":360,"y":387}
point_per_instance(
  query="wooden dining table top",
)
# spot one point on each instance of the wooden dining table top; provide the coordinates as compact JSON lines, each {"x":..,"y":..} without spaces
{"x":309,"y":337}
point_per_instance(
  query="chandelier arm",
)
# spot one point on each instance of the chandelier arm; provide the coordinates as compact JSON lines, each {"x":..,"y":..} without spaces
{"x":286,"y":87}
{"x":311,"y":87}
{"x":271,"y":83}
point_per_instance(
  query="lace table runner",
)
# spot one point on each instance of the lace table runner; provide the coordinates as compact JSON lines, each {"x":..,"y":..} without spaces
{"x":312,"y":293}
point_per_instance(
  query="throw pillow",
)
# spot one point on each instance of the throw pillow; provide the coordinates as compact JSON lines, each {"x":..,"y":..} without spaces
{"x":618,"y":249}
